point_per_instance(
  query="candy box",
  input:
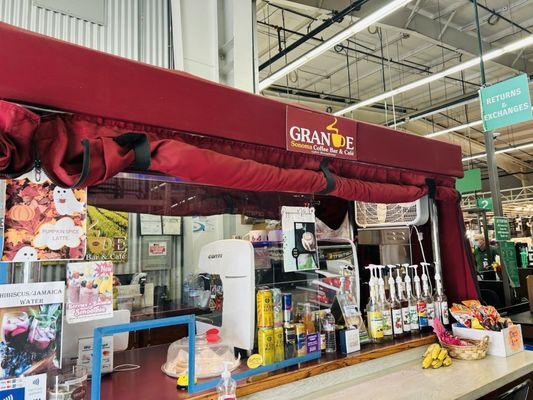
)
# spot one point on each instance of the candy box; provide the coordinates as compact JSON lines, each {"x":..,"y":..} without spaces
{"x":504,"y":343}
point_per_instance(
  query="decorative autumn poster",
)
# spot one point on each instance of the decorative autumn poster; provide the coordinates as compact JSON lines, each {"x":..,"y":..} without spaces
{"x":107,"y":235}
{"x":43,"y":222}
{"x":89,"y":291}
{"x":31,"y":325}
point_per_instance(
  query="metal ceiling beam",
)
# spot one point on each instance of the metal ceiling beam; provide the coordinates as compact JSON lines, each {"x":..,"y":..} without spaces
{"x":421,"y":25}
{"x":338,"y":16}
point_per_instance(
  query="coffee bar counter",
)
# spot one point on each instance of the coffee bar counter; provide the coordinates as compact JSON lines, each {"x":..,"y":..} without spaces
{"x":401,"y":377}
{"x":149,"y":381}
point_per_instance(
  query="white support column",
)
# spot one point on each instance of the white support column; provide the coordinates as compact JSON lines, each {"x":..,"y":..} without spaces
{"x":195,"y":37}
{"x":214,"y":39}
{"x":237,"y":43}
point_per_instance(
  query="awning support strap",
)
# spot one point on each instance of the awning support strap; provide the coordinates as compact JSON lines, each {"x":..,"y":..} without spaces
{"x":330,"y":179}
{"x":141,"y":147}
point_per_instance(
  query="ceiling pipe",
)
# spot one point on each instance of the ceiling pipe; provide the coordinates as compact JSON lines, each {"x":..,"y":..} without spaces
{"x":341,"y":100}
{"x":500,"y":16}
{"x":436,"y":109}
{"x":337,"y":17}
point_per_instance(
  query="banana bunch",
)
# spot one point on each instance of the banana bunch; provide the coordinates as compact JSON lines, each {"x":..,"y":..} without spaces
{"x":435,"y":356}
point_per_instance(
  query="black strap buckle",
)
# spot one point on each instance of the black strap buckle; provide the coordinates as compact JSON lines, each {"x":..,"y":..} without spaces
{"x":330,"y":179}
{"x":141,"y":147}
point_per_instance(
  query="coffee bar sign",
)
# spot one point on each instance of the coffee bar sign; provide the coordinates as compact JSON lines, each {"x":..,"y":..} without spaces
{"x":321,"y":134}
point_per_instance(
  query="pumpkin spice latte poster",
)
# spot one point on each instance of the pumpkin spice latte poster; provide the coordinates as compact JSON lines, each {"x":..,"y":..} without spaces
{"x":43,"y":222}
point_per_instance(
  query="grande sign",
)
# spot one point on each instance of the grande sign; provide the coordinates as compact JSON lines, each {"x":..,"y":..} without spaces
{"x":316,"y":133}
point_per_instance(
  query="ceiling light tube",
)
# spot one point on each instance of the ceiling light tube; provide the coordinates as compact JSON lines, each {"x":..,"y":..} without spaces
{"x":501,"y":151}
{"x":519,"y":44}
{"x":360,"y":25}
{"x":456,"y":128}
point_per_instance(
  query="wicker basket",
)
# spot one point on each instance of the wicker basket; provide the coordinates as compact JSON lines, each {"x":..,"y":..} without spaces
{"x":475,"y":351}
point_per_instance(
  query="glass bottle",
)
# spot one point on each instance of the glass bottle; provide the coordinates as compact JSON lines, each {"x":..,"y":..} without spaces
{"x":307,"y":318}
{"x":396,"y":311}
{"x":328,"y":329}
{"x":386,"y":312}
{"x":411,"y":300}
{"x":374,"y":316}
{"x":402,"y":298}
{"x":430,"y":306}
{"x":441,"y":302}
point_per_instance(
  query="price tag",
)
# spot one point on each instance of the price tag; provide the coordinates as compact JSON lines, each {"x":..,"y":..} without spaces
{"x":515,"y":338}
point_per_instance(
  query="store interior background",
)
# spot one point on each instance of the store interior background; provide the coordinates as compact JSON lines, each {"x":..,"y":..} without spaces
{"x":233,"y":42}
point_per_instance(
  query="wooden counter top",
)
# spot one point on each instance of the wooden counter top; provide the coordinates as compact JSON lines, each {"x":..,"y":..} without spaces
{"x":148,"y":382}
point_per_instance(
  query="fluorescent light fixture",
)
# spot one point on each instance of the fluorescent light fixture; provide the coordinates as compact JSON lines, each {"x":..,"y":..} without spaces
{"x":501,"y":151}
{"x":360,"y":25}
{"x":519,"y":44}
{"x":456,"y":128}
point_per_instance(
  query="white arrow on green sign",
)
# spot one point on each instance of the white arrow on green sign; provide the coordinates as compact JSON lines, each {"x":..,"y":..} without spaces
{"x":506,"y":103}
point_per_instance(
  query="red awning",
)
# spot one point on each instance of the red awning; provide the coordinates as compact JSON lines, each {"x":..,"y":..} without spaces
{"x":134,"y":116}
{"x":17,"y":126}
{"x":103,"y":85}
{"x":69,"y":144}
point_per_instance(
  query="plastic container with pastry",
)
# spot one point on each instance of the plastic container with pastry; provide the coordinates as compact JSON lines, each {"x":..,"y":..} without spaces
{"x":210,"y":355}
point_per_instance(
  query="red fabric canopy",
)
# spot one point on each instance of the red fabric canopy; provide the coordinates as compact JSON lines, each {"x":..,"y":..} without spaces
{"x":239,"y":142}
{"x":65,"y":135}
{"x":104,"y":85}
{"x":17,"y":126}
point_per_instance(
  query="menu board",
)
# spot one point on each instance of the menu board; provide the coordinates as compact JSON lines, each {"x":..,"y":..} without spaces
{"x":43,"y":222}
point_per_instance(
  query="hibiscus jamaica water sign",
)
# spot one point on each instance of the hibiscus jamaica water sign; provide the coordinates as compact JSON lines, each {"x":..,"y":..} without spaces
{"x":321,"y":134}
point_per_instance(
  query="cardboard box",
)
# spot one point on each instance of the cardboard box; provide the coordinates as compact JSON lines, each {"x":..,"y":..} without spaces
{"x":502,"y":344}
{"x":349,"y":341}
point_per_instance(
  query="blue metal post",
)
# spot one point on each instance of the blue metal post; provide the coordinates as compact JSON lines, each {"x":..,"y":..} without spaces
{"x":99,"y":333}
{"x":4,"y":273}
{"x":192,"y":355}
{"x":96,"y":377}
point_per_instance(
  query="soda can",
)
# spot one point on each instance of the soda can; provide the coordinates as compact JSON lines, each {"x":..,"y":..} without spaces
{"x":277,"y":309}
{"x":287,"y":307}
{"x":300,"y":339}
{"x":289,"y":332}
{"x":279,"y":348}
{"x":265,"y":344}
{"x":265,"y":315}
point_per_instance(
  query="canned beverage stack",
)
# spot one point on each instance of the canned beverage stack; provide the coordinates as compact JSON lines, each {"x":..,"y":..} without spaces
{"x":265,"y":325}
{"x":266,"y":344}
{"x":270,"y":332}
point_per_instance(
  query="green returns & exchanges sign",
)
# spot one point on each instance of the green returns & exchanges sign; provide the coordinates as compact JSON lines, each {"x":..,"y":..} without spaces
{"x":506,"y":103}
